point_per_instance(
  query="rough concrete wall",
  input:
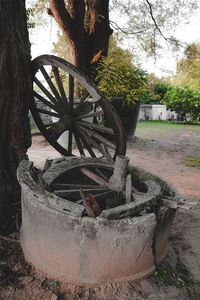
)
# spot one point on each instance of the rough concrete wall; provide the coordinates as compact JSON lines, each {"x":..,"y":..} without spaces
{"x":156,"y":112}
{"x":86,"y":251}
{"x":91,"y":251}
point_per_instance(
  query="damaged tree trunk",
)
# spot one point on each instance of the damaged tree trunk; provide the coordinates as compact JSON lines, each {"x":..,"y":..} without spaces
{"x":15,"y":91}
{"x":85,"y":24}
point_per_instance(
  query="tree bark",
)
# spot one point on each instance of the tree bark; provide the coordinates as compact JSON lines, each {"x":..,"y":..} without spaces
{"x":15,"y":93}
{"x":86,"y":27}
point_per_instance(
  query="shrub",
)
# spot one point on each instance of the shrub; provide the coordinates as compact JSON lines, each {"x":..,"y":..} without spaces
{"x":118,"y":78}
{"x":184,"y":101}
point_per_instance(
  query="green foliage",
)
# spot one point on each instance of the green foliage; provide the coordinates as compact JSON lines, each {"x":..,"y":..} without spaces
{"x":117,"y":76}
{"x":192,"y":162}
{"x":155,"y":93}
{"x":147,"y":97}
{"x":188,"y":68}
{"x":30,"y":15}
{"x":160,"y":89}
{"x":151,"y":21}
{"x":61,"y":47}
{"x":184,"y":101}
{"x":171,"y":276}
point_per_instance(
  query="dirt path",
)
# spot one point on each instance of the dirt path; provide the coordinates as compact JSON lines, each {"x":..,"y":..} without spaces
{"x":163,"y":153}
{"x":166,"y":157}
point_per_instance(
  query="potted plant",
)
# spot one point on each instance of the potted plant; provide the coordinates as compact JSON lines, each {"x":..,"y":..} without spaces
{"x":124,"y":84}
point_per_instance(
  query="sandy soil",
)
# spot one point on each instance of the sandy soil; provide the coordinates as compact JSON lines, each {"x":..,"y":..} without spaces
{"x":179,"y":275}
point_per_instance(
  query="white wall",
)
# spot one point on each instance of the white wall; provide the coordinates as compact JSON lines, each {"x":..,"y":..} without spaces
{"x":156,"y":112}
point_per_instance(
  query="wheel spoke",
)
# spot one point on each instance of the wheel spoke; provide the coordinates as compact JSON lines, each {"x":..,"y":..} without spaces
{"x":63,"y":186}
{"x":100,"y":173}
{"x":60,"y":85}
{"x":71,"y":93}
{"x":95,"y":127}
{"x":95,"y":196}
{"x":98,"y":137}
{"x":86,"y":143}
{"x":50,"y":124}
{"x":47,"y":112}
{"x":70,"y":143}
{"x":64,"y":192}
{"x":51,"y":85}
{"x":46,"y":92}
{"x":94,"y":177}
{"x":106,"y":152}
{"x":78,"y":142}
{"x":83,"y":108}
{"x":48,"y":103}
{"x":85,"y":95}
{"x":56,"y":130}
{"x":85,"y":116}
{"x":91,"y":142}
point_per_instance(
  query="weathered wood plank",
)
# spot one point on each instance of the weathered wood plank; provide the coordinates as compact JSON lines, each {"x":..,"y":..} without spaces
{"x":86,"y":142}
{"x":47,"y":112}
{"x":51,"y":85}
{"x":47,"y":93}
{"x":128,"y":189}
{"x":117,"y":180}
{"x":133,"y":208}
{"x":97,"y":136}
{"x":74,"y":186}
{"x":56,"y":170}
{"x":71,"y":93}
{"x":45,"y":101}
{"x":96,"y":127}
{"x":78,"y":142}
{"x":94,"y":177}
{"x":89,"y":142}
{"x":83,"y":109}
{"x":90,"y":115}
{"x":60,"y":86}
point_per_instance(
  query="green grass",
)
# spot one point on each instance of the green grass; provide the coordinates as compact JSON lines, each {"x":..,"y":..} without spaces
{"x":162,"y":129}
{"x":166,"y":124}
{"x":192,"y":162}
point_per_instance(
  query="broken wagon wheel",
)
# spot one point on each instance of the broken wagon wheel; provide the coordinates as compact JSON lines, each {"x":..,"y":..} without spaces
{"x":64,"y":105}
{"x":69,"y":177}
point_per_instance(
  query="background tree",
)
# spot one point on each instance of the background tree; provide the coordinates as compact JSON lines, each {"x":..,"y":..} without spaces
{"x":185,"y":101}
{"x":188,"y":68}
{"x":15,"y":89}
{"x":152,"y":23}
{"x":156,"y":89}
{"x":86,"y":24}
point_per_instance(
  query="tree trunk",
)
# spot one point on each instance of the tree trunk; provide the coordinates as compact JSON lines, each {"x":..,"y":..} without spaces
{"x":15,"y":92}
{"x":86,"y":27}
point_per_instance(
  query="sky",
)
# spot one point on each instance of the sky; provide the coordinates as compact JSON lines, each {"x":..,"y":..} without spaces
{"x":42,"y":40}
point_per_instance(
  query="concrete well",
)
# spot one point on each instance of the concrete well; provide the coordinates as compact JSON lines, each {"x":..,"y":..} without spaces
{"x":58,"y":241}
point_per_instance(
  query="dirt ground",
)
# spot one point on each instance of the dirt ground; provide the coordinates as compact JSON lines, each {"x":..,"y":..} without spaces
{"x":163,"y":153}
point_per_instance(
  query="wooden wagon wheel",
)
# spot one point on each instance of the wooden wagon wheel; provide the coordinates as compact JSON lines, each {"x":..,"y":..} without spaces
{"x":112,"y":189}
{"x":70,"y":102}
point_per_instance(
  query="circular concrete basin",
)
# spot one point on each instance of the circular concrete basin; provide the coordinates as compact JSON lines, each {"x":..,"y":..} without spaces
{"x":62,"y":244}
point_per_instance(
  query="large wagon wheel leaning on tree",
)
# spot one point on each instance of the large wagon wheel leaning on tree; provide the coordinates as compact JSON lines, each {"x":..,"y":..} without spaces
{"x":66,"y":103}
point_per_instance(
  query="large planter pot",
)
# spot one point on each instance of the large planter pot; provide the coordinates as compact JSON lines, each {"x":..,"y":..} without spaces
{"x":128,"y":114}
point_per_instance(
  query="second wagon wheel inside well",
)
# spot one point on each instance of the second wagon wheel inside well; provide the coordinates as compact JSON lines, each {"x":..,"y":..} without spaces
{"x":66,"y":106}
